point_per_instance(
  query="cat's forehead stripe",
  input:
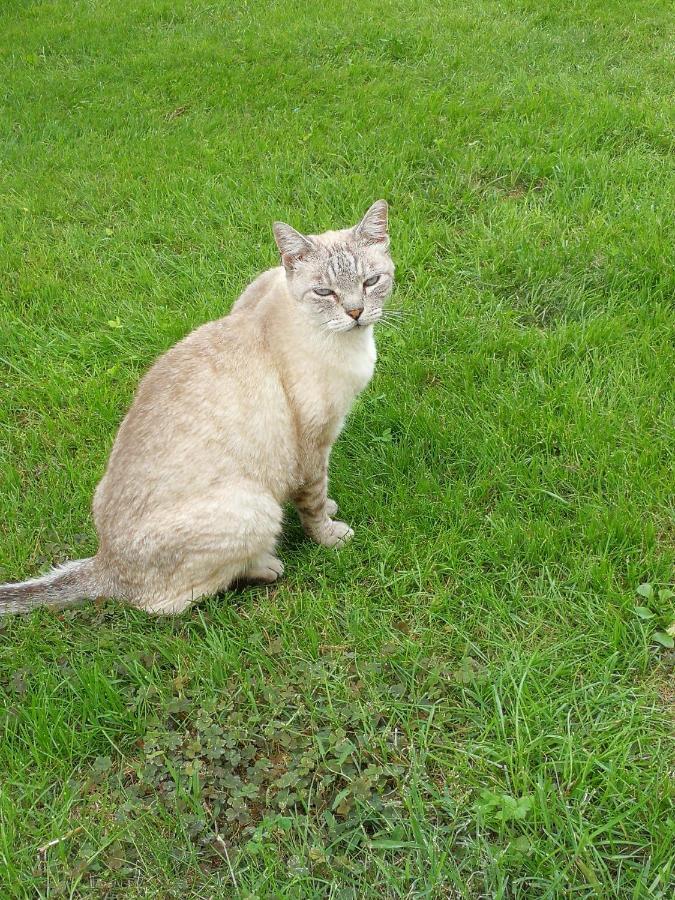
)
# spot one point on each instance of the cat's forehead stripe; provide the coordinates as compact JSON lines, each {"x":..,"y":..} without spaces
{"x":344,"y":261}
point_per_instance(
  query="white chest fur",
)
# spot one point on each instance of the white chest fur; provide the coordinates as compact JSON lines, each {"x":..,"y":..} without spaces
{"x":329,"y":378}
{"x":355,"y":357}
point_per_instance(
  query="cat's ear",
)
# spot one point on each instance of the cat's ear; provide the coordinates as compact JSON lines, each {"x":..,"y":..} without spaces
{"x":372,"y":229}
{"x":292,"y":245}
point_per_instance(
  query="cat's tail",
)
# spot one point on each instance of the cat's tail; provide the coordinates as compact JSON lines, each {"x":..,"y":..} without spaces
{"x":65,"y":585}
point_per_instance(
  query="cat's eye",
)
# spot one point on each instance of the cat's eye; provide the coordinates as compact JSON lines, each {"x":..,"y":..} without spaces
{"x":369,"y":282}
{"x":323,"y":292}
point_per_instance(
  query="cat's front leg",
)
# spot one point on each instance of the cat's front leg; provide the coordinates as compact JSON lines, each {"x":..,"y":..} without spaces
{"x":315,"y":509}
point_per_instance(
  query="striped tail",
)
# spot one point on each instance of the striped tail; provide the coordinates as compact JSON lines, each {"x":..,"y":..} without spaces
{"x":66,"y":585}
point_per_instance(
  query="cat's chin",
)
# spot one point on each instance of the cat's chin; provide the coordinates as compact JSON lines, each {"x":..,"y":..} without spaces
{"x":356,"y":328}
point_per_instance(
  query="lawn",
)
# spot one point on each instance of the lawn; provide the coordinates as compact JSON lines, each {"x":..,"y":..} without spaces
{"x":472,"y":699}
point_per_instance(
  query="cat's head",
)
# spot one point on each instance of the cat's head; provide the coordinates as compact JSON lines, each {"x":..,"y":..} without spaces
{"x":340,"y":278}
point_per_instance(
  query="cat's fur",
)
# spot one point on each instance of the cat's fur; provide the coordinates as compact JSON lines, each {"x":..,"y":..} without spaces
{"x":231,"y":423}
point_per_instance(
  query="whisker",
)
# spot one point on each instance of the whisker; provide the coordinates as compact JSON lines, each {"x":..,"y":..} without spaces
{"x":396,"y":319}
{"x":389,"y":323}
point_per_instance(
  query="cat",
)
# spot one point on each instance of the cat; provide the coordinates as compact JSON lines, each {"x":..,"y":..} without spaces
{"x":235,"y":420}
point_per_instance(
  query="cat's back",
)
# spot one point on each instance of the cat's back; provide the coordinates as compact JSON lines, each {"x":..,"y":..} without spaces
{"x":208,"y":407}
{"x":201,"y":371}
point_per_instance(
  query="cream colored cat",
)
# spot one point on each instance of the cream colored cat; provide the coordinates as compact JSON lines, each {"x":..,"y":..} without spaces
{"x":231,"y":423}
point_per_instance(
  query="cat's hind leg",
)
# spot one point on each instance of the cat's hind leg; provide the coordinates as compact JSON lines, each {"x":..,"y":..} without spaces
{"x":207,"y":545}
{"x":264,"y":569}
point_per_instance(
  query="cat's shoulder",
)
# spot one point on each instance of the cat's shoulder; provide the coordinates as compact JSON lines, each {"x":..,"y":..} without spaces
{"x":260,"y":287}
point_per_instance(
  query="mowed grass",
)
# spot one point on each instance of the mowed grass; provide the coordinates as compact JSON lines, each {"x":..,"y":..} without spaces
{"x":464,"y":702}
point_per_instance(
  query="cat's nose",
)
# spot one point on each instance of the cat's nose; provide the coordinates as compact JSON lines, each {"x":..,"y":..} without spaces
{"x":355,"y":313}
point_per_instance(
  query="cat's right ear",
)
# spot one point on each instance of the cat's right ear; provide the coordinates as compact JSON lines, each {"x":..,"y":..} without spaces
{"x":372,"y":229}
{"x":292,"y":245}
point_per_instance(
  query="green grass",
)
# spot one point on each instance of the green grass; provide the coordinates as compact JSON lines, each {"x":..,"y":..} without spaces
{"x":463,"y":702}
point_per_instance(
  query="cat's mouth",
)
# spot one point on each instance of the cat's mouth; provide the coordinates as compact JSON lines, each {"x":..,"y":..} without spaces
{"x":343,"y":327}
{"x":371,"y":319}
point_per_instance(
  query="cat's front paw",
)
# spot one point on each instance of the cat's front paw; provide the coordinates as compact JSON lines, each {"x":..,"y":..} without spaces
{"x":334,"y":534}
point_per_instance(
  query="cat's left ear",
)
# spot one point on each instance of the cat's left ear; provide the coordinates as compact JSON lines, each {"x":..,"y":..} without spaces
{"x":372,"y":229}
{"x":292,"y":245}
